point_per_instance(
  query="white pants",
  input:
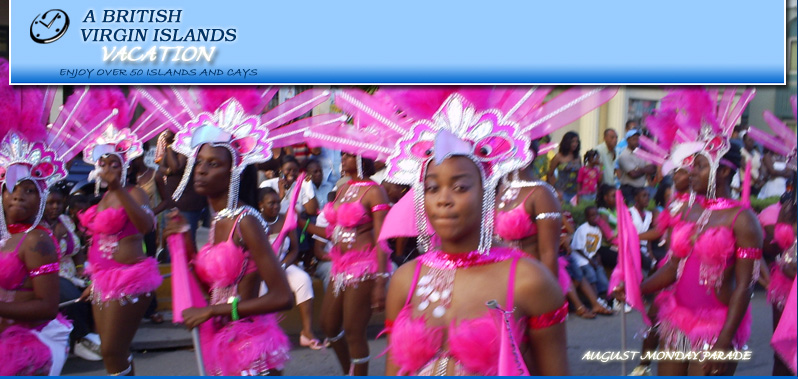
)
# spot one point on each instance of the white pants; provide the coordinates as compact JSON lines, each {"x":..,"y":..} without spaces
{"x":55,"y":335}
{"x":300,"y":282}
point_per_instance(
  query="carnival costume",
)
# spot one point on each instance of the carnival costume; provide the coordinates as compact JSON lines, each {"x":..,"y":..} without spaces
{"x":110,"y":279}
{"x":411,"y":128}
{"x":783,"y":143}
{"x":691,"y":317}
{"x":231,"y":118}
{"x":32,"y":150}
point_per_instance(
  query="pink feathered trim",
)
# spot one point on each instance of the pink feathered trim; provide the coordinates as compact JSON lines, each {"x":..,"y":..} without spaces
{"x":783,"y":235}
{"x":514,"y":225}
{"x":664,"y":221}
{"x":23,"y":353}
{"x":476,"y":344}
{"x":696,"y":329}
{"x":127,"y":281}
{"x":716,"y":246}
{"x":779,"y":287}
{"x":412,"y":343}
{"x":354,"y":263}
{"x":682,"y":239}
{"x":250,"y":346}
{"x":109,"y":221}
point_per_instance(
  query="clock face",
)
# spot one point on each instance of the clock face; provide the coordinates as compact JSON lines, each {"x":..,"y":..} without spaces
{"x":49,"y":26}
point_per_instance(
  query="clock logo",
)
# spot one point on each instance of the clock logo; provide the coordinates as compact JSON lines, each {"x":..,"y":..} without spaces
{"x":49,"y":26}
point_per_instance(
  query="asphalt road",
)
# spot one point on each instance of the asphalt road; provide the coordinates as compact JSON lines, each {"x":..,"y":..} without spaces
{"x":601,"y":334}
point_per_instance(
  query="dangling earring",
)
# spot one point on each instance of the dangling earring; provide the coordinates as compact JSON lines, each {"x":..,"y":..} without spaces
{"x":359,"y":167}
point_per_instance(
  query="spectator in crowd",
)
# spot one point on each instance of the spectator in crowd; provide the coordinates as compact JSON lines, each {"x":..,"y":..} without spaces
{"x":321,"y":187}
{"x":540,"y":166}
{"x":608,"y":156}
{"x":564,"y":167}
{"x":629,"y":126}
{"x":285,"y":185}
{"x":643,"y":220}
{"x":633,"y":168}
{"x":584,"y":249}
{"x":589,"y":176}
{"x":577,"y":278}
{"x":776,"y":172}
{"x":608,"y":223}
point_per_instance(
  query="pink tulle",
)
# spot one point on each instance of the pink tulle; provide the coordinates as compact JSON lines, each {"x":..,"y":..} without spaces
{"x":562,"y":275}
{"x":682,"y":239}
{"x":125,"y":281}
{"x":250,"y":346}
{"x":701,"y":326}
{"x":783,"y":235}
{"x":769,"y":215}
{"x":412,"y":343}
{"x":109,"y":221}
{"x":779,"y":287}
{"x":476,"y":343}
{"x":23,"y":353}
{"x":515,"y":224}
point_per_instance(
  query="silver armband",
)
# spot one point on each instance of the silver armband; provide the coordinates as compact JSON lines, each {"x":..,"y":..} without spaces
{"x":549,"y":216}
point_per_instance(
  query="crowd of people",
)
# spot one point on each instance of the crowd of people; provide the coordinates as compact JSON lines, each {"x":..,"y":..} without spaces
{"x":445,"y":208}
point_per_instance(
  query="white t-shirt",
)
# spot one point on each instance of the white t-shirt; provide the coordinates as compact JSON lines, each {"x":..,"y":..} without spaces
{"x":322,"y":222}
{"x":306,"y":194}
{"x":586,"y":238}
{"x":642,"y":225}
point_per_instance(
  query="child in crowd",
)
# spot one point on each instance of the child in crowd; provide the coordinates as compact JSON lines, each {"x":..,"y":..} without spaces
{"x":584,"y":246}
{"x":589,"y":176}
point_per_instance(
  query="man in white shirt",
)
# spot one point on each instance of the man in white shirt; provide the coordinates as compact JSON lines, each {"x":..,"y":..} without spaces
{"x":584,"y":246}
{"x":607,"y":156}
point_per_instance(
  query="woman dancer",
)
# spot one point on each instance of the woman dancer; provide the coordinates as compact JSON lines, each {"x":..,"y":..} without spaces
{"x":34,"y":338}
{"x":239,"y":330}
{"x":122,"y":276}
{"x":436,"y":311}
{"x":715,"y":247}
{"x":299,"y":281}
{"x":360,"y":268}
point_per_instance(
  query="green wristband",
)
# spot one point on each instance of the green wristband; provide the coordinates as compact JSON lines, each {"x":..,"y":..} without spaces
{"x":234,"y":312}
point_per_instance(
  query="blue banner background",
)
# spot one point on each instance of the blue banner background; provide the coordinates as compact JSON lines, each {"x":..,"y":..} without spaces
{"x":413,"y":41}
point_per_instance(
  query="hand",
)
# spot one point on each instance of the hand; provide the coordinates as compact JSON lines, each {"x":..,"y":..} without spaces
{"x":619,"y":292}
{"x":193,"y":317}
{"x":85,"y":295}
{"x":378,"y":295}
{"x":175,"y":224}
{"x":714,"y":367}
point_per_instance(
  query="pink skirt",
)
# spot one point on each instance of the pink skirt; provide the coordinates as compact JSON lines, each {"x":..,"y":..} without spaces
{"x":779,"y":287}
{"x":247,"y":347}
{"x":688,"y":330}
{"x":350,"y":268}
{"x":125,"y":283}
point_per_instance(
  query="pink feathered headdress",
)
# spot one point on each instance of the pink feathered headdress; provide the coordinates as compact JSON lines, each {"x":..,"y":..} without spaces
{"x":491,"y":126}
{"x":31,"y":148}
{"x":231,"y":117}
{"x":783,"y":141}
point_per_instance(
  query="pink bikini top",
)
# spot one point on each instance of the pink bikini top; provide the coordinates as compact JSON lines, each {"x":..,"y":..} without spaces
{"x":475,"y":343}
{"x":713,"y":250}
{"x":109,"y":221}
{"x":225,"y":263}
{"x":14,"y":271}
{"x":351,"y":214}
{"x":515,"y":224}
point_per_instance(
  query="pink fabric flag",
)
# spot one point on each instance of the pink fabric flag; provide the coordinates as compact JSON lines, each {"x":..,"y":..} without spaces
{"x":186,"y":292}
{"x":784,"y":341}
{"x":400,"y":221}
{"x":290,"y":215}
{"x":628,"y":271}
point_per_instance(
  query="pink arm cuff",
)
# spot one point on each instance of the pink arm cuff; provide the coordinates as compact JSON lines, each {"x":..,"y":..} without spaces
{"x":44,"y":269}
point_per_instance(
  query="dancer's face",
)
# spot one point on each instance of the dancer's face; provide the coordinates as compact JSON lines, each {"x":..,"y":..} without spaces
{"x":349,"y":163}
{"x":212,"y":171}
{"x":681,"y":180}
{"x":453,"y":201}
{"x":270,"y":206}
{"x":22,"y":205}
{"x":110,"y":167}
{"x":54,"y":206}
{"x":699,"y":176}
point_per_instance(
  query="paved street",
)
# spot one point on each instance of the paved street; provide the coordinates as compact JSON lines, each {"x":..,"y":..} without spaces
{"x":600,"y":334}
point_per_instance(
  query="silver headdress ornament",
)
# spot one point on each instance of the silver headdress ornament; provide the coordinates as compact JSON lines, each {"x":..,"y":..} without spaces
{"x":231,"y":118}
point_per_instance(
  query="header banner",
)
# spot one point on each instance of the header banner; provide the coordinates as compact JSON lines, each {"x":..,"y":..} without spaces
{"x":407,"y":42}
